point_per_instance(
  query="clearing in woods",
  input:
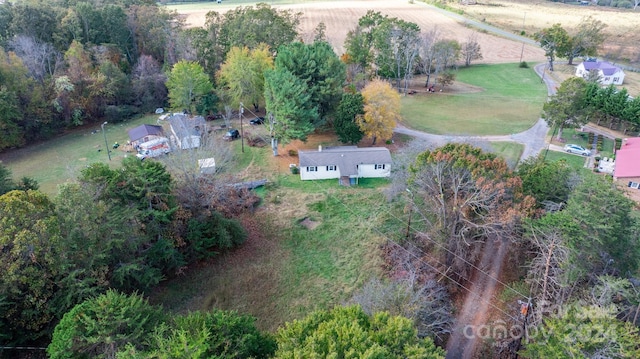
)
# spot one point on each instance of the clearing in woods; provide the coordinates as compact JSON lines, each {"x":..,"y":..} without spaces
{"x":515,"y":16}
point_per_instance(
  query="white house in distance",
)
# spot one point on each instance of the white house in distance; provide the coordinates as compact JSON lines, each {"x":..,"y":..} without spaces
{"x":347,"y":163}
{"x":609,"y":74}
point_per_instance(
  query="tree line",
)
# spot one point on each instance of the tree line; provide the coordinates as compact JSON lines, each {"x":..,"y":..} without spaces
{"x":572,"y":237}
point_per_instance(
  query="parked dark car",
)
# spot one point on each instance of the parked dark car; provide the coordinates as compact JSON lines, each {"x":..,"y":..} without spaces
{"x":231,"y":135}
{"x":257,"y":121}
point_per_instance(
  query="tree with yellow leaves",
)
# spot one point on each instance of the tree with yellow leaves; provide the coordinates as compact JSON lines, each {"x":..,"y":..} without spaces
{"x":381,"y":109}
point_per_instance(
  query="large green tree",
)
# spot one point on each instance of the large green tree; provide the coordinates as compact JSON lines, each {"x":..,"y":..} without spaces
{"x":318,"y":66}
{"x":584,"y":332}
{"x":351,"y":106}
{"x":385,"y":44}
{"x":101,"y":326}
{"x":242,"y":75}
{"x":30,"y":256}
{"x":567,"y":107}
{"x":347,"y":332}
{"x":288,"y":101}
{"x":187,"y":84}
{"x":250,"y":26}
{"x":555,"y":41}
{"x":586,"y":41}
{"x":546,"y":181}
{"x":197,"y":335}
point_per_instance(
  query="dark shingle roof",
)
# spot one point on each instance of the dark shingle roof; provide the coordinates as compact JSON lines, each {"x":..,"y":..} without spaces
{"x":144,"y":130}
{"x":345,"y":157}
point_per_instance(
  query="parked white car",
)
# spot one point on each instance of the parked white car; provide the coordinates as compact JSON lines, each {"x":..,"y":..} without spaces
{"x":571,"y":148}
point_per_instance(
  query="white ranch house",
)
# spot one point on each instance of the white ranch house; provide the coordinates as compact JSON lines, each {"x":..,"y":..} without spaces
{"x":346,"y":163}
{"x":609,"y":74}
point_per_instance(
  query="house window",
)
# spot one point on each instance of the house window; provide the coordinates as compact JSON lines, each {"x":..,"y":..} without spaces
{"x":378,"y":167}
{"x":634,"y":184}
{"x":331,"y":168}
{"x":312,"y":169}
{"x":606,"y":79}
{"x":616,"y":79}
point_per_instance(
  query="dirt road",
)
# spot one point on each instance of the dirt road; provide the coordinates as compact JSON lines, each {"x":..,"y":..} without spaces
{"x":464,"y":339}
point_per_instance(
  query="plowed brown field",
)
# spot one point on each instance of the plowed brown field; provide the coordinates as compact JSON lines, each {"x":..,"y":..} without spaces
{"x":342,"y":16}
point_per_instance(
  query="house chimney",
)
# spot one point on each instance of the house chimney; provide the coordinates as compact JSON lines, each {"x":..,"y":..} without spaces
{"x":319,"y":148}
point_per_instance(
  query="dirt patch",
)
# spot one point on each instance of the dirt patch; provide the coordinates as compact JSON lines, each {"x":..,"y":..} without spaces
{"x":309,"y":224}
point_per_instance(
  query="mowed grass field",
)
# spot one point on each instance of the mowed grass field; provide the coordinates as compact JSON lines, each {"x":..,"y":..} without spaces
{"x":61,"y":159}
{"x":494,"y":100}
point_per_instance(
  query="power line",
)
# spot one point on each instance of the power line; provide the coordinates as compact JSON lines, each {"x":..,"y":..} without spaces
{"x":433,"y":267}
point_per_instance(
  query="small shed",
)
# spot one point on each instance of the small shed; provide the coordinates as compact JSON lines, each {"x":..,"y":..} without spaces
{"x":207,"y":165}
{"x":144,"y":133}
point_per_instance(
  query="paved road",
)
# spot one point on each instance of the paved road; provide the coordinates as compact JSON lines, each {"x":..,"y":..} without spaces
{"x":482,"y":26}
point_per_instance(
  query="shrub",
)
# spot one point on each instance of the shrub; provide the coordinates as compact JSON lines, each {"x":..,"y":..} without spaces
{"x":523,"y":65}
{"x":618,"y":143}
{"x":293,"y":153}
{"x":591,"y":137}
{"x":100,"y":326}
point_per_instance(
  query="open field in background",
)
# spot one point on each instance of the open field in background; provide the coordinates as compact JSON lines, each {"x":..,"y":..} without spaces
{"x":485,"y":100}
{"x":531,"y":16}
{"x":516,"y":16}
{"x":342,"y":16}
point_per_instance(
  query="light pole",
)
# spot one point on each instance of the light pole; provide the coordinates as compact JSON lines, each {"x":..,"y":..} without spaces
{"x":241,"y":129}
{"x":105,"y":140}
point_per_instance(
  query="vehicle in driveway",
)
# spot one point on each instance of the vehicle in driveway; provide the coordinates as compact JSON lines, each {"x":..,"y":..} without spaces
{"x":257,"y":121}
{"x":571,"y":148}
{"x":231,"y":135}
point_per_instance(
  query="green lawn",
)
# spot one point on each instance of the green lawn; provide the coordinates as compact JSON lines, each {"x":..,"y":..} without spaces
{"x":286,"y":270}
{"x":61,"y":159}
{"x":510,"y":151}
{"x":574,"y":161}
{"x":572,"y":135}
{"x":509,"y":101}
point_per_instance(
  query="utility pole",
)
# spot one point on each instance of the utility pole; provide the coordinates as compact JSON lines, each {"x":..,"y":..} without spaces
{"x":522,"y":52}
{"x":410,"y":213}
{"x":241,"y":128}
{"x":106,"y":145}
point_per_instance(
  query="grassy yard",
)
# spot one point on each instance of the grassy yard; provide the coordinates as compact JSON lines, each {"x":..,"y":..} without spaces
{"x":497,"y":100}
{"x":59,"y":160}
{"x":510,"y":151}
{"x":572,"y":135}
{"x":311,"y":245}
{"x":574,"y":161}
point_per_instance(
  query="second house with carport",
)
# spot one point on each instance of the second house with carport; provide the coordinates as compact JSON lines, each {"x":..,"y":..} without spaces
{"x":346,"y":163}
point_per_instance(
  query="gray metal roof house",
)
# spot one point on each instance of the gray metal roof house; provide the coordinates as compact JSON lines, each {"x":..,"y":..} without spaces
{"x":347,"y":163}
{"x":187,"y":131}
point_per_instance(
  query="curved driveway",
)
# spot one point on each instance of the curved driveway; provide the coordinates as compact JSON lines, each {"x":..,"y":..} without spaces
{"x":533,"y":139}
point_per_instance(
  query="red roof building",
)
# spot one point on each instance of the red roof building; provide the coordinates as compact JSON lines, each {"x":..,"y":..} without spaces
{"x":627,"y":168}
